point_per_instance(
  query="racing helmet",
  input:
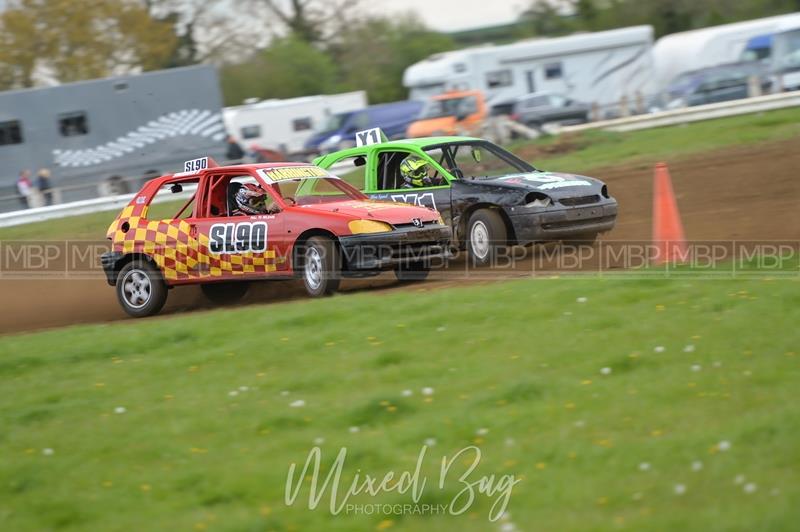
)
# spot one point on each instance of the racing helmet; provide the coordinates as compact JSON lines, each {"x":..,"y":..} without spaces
{"x":251,"y":199}
{"x":415,"y":172}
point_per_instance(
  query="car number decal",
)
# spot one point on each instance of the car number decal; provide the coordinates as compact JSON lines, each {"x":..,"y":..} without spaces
{"x":414,"y":198}
{"x":238,"y":238}
{"x":369,"y":137}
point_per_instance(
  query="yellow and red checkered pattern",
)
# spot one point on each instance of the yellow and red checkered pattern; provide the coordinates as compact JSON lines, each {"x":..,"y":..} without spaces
{"x":180,"y":255}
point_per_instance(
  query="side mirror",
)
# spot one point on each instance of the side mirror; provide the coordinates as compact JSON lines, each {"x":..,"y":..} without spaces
{"x":176,"y":188}
{"x":359,"y":161}
{"x":461,"y":116}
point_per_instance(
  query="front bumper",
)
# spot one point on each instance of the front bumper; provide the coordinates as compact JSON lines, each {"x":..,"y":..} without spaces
{"x":564,"y":223}
{"x":380,"y":251}
{"x":109,"y":262}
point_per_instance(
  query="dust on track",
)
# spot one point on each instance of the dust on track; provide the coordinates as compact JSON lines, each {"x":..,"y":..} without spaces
{"x":746,"y":193}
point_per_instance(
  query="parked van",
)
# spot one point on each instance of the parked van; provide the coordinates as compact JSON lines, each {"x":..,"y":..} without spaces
{"x":450,"y":114}
{"x":339,"y":133}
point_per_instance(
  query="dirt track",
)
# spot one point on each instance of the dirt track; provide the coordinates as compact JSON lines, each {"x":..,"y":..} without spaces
{"x":744,"y":194}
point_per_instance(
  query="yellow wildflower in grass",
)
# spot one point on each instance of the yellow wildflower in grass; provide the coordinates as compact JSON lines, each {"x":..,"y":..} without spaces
{"x":383,"y":525}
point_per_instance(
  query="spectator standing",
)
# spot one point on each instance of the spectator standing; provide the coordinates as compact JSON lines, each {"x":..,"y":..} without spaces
{"x":44,"y":185}
{"x":235,"y":152}
{"x":25,"y":188}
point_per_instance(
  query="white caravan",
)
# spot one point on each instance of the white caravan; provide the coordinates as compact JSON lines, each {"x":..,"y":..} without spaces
{"x":682,"y":52}
{"x":599,"y":67}
{"x":285,"y":125}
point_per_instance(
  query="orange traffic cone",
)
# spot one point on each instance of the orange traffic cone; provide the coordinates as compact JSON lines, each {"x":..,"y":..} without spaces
{"x":668,"y":237}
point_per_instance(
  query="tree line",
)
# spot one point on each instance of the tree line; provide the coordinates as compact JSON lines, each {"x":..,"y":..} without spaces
{"x":288,"y":48}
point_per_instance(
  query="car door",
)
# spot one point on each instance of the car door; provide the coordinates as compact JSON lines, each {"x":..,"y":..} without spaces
{"x":232,"y":245}
{"x":561,"y":109}
{"x":167,"y":230}
{"x":536,"y":109}
{"x":388,"y":183}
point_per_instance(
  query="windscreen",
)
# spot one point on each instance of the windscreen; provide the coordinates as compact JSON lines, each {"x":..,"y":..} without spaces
{"x":335,"y":122}
{"x":787,"y":50}
{"x":450,"y":107}
{"x":481,"y":159}
{"x":310,"y":190}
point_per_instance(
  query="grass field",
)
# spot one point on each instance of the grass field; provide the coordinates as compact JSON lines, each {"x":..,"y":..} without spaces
{"x":186,"y":423}
{"x":584,"y":152}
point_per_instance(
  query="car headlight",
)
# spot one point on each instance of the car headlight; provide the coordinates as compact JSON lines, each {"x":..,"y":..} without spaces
{"x":537,"y":199}
{"x":332,"y":140}
{"x":360,"y":227}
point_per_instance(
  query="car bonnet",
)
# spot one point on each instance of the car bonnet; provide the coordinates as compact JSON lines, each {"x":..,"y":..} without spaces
{"x":380,"y":211}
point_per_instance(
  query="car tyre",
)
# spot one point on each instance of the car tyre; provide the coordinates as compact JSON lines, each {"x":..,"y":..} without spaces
{"x":321,"y":266}
{"x":141,"y":289}
{"x":225,"y":293}
{"x":412,"y":272}
{"x":486,"y":235}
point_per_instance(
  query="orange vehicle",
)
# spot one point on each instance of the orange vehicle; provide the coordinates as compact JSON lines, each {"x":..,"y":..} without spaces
{"x":452,"y":113}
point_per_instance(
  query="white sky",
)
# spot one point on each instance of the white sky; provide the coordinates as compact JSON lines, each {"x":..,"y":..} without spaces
{"x":450,"y":15}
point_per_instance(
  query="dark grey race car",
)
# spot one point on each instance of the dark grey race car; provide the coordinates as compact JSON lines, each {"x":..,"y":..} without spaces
{"x":489,"y":196}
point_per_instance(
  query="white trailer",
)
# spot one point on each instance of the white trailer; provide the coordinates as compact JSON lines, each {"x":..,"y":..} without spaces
{"x":285,"y":125}
{"x":599,"y":67}
{"x":682,"y":52}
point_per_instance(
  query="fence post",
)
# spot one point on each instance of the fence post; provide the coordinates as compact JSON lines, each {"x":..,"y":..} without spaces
{"x":753,"y":86}
{"x":595,"y":113}
{"x":640,"y":110}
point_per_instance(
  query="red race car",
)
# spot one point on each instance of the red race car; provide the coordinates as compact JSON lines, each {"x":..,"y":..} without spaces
{"x":223,"y":226}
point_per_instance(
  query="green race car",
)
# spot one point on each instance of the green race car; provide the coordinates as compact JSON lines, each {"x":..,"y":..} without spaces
{"x":490,"y":197}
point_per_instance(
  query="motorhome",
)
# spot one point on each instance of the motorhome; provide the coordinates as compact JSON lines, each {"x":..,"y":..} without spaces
{"x":102,"y":131}
{"x":686,"y":51}
{"x":286,"y":125}
{"x":598,"y":68}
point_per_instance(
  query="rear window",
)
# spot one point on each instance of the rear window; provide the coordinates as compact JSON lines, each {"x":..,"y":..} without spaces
{"x":503,"y":109}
